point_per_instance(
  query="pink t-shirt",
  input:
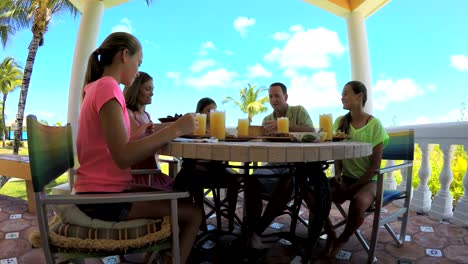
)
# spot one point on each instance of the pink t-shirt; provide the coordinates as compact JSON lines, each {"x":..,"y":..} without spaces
{"x":98,"y":172}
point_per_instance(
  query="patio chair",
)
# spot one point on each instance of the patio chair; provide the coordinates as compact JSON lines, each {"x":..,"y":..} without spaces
{"x":71,"y":234}
{"x":399,"y":148}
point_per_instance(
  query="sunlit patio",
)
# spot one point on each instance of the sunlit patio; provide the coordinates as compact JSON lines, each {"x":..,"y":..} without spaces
{"x":426,"y":236}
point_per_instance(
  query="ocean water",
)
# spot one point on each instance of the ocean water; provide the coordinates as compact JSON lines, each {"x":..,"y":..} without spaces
{"x":12,"y":135}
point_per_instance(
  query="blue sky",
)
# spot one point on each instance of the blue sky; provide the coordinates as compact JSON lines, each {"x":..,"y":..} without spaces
{"x":418,"y":52}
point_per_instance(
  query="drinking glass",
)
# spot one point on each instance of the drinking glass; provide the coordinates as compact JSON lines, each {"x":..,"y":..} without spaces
{"x":282,"y":124}
{"x":218,"y":124}
{"x":201,"y":120}
{"x":243,"y":127}
{"x":326,"y":125}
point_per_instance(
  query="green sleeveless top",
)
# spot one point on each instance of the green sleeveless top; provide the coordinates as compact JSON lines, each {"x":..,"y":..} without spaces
{"x":374,"y":133}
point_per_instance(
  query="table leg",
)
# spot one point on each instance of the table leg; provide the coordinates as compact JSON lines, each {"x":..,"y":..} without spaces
{"x":319,"y":188}
{"x":30,"y":196}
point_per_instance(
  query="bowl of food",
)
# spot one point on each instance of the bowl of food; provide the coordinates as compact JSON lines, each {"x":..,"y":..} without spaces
{"x":305,"y":137}
{"x":339,"y":136}
{"x":169,"y":118}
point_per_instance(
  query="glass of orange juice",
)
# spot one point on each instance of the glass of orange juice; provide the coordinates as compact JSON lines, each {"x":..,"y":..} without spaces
{"x":282,"y":124}
{"x":326,"y":125}
{"x":201,"y":120}
{"x":243,"y":127}
{"x":218,"y":124}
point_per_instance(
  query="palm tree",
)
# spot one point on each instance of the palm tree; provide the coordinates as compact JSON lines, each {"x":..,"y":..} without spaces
{"x":10,"y":79}
{"x":35,"y":14}
{"x":249,"y":102}
{"x":11,"y":20}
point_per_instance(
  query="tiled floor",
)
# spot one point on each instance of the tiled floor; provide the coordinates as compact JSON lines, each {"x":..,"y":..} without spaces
{"x":452,"y":241}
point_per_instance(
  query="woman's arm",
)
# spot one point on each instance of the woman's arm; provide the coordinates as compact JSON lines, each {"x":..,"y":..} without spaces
{"x":376,"y":159}
{"x":136,"y":130}
{"x":127,"y":152}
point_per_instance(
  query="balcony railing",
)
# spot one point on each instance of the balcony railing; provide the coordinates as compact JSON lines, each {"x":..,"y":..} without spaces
{"x":441,"y":206}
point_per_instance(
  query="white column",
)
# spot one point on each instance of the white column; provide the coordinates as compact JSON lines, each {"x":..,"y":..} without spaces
{"x":442,"y":205}
{"x":359,"y":54}
{"x":402,"y":187}
{"x":389,"y":181}
{"x":460,"y":215}
{"x":85,"y":44}
{"x":421,"y":201}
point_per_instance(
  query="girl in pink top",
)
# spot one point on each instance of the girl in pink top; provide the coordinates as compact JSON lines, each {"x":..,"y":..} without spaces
{"x":105,"y":151}
{"x":137,"y":96}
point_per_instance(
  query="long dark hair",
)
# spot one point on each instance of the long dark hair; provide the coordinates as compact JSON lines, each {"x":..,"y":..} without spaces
{"x":131,"y":92}
{"x":202,"y":103}
{"x":104,"y":55}
{"x":358,"y":87}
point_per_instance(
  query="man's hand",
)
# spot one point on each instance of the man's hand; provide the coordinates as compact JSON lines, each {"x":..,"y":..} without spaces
{"x":270,"y":127}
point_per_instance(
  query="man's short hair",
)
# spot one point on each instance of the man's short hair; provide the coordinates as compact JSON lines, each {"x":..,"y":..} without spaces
{"x":283,"y":87}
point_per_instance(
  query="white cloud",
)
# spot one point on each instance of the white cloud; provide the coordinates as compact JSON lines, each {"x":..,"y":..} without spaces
{"x":318,"y":90}
{"x":459,"y":62}
{"x":311,"y":49}
{"x":450,"y":116}
{"x":257,"y":70}
{"x":175,"y":76}
{"x":228,"y":52}
{"x":218,"y":78}
{"x":242,"y":23}
{"x":205,"y":47}
{"x":296,"y":28}
{"x":387,"y":91}
{"x":431,"y":87}
{"x":422,"y":120}
{"x":280,"y":36}
{"x":200,"y":65}
{"x":124,"y":26}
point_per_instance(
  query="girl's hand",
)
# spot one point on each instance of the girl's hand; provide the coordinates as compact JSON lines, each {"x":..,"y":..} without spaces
{"x":186,"y":124}
{"x":150,"y":129}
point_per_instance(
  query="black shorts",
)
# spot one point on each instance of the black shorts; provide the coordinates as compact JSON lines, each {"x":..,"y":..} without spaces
{"x":107,"y":212}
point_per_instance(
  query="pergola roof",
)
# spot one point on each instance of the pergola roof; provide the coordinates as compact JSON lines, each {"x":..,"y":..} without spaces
{"x":343,"y":7}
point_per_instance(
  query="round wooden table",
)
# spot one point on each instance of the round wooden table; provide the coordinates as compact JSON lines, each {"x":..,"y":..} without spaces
{"x":301,"y":156}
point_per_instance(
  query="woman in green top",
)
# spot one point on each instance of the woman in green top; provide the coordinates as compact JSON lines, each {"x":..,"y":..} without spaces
{"x":354,"y":177}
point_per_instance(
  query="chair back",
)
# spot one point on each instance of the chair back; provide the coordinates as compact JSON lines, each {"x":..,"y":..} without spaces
{"x":50,"y":151}
{"x":400,"y":146}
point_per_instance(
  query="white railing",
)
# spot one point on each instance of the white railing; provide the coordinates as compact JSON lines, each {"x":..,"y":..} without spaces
{"x":447,"y":136}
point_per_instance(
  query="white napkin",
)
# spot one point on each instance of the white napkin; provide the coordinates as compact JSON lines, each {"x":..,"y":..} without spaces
{"x":201,"y":140}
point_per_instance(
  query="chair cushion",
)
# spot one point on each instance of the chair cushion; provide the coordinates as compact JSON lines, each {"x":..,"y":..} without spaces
{"x":72,"y":230}
{"x":391,"y":195}
{"x":71,"y":214}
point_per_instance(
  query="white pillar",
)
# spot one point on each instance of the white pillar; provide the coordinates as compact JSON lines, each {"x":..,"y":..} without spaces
{"x":85,"y":44}
{"x":460,"y":215}
{"x":359,"y":54}
{"x":389,"y":180}
{"x":402,"y":187}
{"x":442,"y":205}
{"x":422,"y":199}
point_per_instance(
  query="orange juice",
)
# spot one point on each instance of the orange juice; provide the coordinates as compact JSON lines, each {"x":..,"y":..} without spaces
{"x":283,"y":125}
{"x":201,"y":120}
{"x":326,"y":125}
{"x":243,"y":127}
{"x":218,"y":124}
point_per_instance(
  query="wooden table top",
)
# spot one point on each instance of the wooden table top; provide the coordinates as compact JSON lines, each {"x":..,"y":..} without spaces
{"x":260,"y":151}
